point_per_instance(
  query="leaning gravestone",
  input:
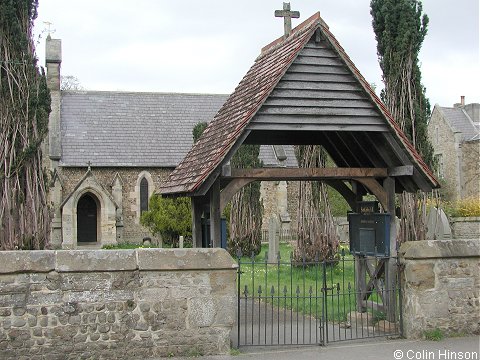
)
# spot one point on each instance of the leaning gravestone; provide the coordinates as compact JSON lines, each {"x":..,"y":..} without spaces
{"x":273,"y":243}
{"x":438,"y":227}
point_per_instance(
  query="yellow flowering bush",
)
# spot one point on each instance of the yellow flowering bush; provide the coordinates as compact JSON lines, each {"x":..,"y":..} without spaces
{"x":468,"y":207}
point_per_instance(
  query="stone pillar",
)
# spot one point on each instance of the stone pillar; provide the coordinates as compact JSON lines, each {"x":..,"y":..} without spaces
{"x":273,"y":243}
{"x":440,"y":287}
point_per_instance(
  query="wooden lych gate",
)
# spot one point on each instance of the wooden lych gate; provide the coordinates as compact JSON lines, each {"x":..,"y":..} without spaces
{"x":303,"y":89}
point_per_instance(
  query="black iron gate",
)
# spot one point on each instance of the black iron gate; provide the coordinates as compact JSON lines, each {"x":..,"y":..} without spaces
{"x":290,"y":302}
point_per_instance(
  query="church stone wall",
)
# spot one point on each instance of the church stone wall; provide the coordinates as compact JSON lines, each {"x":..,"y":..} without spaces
{"x":132,"y":230}
{"x":471,"y":169}
{"x":108,"y":304}
{"x":445,"y":146}
{"x":293,"y":194}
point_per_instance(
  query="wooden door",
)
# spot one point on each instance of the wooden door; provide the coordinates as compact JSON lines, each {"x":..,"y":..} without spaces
{"x":87,"y":219}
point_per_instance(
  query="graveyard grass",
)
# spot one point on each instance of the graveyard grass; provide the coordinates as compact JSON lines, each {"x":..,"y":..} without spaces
{"x":298,"y":288}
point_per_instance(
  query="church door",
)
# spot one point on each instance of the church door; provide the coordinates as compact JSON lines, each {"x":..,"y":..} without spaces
{"x":87,"y":219}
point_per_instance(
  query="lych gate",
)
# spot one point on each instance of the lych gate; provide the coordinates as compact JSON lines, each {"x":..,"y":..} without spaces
{"x":303,"y":89}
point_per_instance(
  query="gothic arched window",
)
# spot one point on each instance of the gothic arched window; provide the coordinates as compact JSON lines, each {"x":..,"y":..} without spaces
{"x":143,"y":195}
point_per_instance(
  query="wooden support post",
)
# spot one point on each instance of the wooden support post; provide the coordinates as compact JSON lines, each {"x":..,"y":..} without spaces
{"x":215,"y":218}
{"x":360,"y":261}
{"x":391,"y":270}
{"x":360,"y":281}
{"x":196,"y":221}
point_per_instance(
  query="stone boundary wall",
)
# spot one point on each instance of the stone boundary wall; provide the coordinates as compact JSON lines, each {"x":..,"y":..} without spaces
{"x":441,"y":287}
{"x":116,"y":304}
{"x":465,"y":227}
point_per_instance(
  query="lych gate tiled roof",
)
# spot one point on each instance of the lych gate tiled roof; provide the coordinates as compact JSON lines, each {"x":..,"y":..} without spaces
{"x":110,"y":128}
{"x":228,"y":127}
{"x":229,"y":123}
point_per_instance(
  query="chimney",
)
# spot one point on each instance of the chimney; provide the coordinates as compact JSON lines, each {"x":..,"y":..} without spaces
{"x":53,"y":61}
{"x":462,"y":100}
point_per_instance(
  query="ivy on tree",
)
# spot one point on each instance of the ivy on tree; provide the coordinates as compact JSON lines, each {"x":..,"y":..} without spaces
{"x":24,"y":110}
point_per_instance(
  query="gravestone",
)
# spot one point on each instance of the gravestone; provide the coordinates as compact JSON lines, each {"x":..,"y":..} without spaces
{"x":273,"y":242}
{"x":438,"y":226}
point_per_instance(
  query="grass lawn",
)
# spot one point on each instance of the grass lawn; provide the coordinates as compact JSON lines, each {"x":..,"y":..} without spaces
{"x":299,"y":287}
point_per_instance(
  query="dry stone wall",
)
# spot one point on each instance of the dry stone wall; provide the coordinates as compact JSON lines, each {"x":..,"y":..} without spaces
{"x":441,"y":287}
{"x":107,"y":304}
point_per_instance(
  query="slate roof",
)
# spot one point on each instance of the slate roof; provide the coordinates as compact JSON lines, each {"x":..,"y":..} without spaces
{"x":228,"y":127}
{"x":460,"y":122}
{"x":131,"y":129}
{"x":270,"y":159}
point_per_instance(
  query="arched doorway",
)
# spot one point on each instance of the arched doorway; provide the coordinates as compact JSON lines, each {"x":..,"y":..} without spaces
{"x":87,"y":219}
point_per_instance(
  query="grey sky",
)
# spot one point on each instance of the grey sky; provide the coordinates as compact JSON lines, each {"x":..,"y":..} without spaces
{"x":207,"y":46}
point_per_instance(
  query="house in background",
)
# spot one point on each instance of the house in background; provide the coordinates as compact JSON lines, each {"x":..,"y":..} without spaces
{"x":109,"y":151}
{"x":455,"y":136}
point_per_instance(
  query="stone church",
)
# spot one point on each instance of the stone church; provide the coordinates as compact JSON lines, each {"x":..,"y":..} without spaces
{"x":108,"y":152}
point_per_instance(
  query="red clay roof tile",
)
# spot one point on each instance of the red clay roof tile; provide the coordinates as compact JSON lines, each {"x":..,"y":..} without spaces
{"x":231,"y":120}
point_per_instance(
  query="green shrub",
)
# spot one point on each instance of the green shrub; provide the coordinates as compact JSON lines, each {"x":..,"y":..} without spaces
{"x":169,"y":218}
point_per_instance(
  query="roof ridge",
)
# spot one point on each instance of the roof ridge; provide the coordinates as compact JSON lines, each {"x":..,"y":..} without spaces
{"x":83,"y":92}
{"x":296,"y":31}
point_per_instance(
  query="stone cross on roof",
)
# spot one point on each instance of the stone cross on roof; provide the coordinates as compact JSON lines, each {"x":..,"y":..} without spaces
{"x":287,"y":17}
{"x":49,"y":29}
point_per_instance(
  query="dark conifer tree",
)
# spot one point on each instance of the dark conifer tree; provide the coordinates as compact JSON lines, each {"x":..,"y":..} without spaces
{"x":400,"y":28}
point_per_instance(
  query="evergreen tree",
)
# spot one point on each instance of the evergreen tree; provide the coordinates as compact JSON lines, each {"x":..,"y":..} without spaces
{"x":169,"y":218}
{"x":400,"y":28}
{"x":24,"y":110}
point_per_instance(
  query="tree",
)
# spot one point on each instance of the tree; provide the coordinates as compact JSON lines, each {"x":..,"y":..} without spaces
{"x":244,"y":212}
{"x":198,"y":130}
{"x":316,"y":231}
{"x":69,"y":82}
{"x":400,"y":28}
{"x":168,"y":217}
{"x":24,"y":110}
{"x":247,"y":209}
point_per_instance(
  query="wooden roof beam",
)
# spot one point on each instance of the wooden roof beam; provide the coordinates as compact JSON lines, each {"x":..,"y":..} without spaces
{"x":306,"y":174}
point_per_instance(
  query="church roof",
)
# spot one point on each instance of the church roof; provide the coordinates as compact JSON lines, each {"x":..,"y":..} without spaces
{"x":131,"y":129}
{"x":134,"y":129}
{"x":254,"y":94}
{"x":461,"y":122}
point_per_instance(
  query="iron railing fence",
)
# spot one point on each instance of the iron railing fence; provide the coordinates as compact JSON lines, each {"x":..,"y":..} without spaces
{"x":300,"y":302}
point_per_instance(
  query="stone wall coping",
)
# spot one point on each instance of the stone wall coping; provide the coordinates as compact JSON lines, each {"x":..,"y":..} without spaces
{"x":466,"y":219}
{"x":43,"y":261}
{"x":434,"y":249}
{"x":184,"y":259}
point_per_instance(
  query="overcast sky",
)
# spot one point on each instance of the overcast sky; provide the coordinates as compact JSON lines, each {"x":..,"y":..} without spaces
{"x":207,"y":46}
